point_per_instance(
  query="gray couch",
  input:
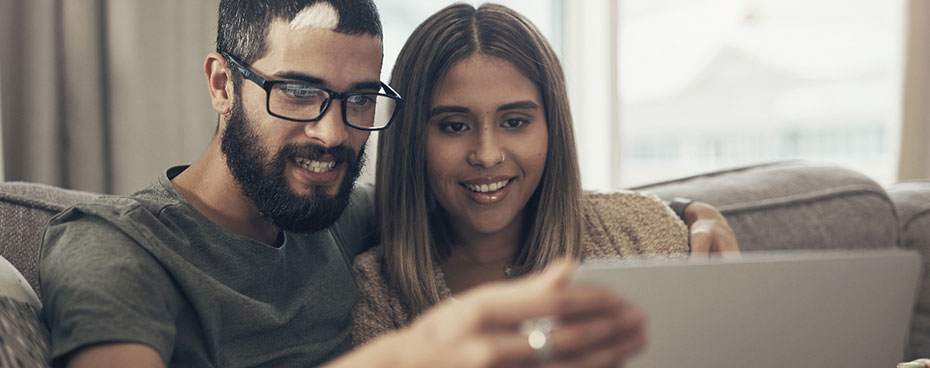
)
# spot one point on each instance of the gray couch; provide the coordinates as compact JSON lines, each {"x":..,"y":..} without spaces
{"x":784,"y":205}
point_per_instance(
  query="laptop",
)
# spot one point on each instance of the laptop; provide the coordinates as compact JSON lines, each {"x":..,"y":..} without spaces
{"x":792,"y":309}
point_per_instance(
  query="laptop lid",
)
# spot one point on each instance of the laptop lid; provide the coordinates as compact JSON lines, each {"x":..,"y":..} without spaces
{"x":794,"y":309}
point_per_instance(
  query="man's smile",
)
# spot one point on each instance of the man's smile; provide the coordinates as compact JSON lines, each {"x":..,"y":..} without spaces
{"x":314,"y":165}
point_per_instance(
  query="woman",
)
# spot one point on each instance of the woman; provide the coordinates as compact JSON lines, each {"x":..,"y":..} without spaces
{"x":479,"y":179}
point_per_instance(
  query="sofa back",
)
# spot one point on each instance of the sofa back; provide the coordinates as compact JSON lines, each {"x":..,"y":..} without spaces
{"x":25,"y":208}
{"x":794,"y":205}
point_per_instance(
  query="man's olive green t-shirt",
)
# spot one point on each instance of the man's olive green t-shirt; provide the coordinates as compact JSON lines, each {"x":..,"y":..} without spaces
{"x":150,"y":269}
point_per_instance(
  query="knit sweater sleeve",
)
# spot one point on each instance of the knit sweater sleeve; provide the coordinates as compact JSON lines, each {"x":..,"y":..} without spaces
{"x":378,"y":309}
{"x":631,"y":224}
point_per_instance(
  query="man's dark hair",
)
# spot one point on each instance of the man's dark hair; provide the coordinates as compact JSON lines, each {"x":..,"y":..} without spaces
{"x":242,"y":26}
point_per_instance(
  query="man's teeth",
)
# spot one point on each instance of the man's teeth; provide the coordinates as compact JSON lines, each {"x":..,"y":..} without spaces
{"x":315,"y":166}
{"x":486,"y":188}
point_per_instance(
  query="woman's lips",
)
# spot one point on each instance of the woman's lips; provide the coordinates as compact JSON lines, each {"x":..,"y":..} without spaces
{"x":488,"y":190}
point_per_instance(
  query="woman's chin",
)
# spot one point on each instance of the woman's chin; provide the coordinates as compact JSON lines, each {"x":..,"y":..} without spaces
{"x":489,"y":224}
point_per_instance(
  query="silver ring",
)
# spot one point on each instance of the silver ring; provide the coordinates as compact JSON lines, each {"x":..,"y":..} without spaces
{"x":537,"y":335}
{"x":502,"y":158}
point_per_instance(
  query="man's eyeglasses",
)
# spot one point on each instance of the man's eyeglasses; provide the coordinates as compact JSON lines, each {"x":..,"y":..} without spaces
{"x":303,"y":102}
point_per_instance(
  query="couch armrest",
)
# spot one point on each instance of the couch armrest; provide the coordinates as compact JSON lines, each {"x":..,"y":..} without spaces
{"x":23,"y":336}
{"x":912,"y":201}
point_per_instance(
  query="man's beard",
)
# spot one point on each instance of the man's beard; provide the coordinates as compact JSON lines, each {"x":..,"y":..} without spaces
{"x":263,"y":179}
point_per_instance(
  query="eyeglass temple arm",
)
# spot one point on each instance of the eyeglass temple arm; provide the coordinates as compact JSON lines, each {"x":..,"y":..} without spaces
{"x":390,"y":90}
{"x":248,"y":74}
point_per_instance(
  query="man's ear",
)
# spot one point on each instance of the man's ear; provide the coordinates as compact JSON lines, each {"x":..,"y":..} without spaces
{"x":219,"y":81}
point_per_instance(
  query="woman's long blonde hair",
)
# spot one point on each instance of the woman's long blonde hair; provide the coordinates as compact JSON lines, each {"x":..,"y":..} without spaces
{"x":410,"y":232}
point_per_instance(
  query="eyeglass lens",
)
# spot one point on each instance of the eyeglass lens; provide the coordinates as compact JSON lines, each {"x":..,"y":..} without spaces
{"x":305,"y":102}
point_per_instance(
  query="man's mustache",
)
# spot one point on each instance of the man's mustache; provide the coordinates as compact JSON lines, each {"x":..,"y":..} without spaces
{"x":340,"y":153}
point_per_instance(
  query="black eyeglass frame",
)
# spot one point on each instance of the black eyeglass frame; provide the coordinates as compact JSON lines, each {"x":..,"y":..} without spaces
{"x":267,"y":84}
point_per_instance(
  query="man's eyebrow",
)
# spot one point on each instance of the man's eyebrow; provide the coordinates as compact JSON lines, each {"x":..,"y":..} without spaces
{"x":366,"y":85}
{"x":519,"y":105}
{"x":297,"y":76}
{"x":357,"y":86}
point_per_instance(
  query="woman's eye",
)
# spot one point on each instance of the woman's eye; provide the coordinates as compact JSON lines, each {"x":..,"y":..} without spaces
{"x":453,"y":127}
{"x":514,"y":123}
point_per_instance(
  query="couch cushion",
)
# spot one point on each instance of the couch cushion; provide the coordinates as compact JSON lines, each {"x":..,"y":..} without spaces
{"x":24,"y":210}
{"x":912,"y":201}
{"x":23,"y":337}
{"x":794,"y":205}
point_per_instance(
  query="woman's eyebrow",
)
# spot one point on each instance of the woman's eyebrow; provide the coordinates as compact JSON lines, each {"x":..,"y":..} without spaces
{"x":519,"y":105}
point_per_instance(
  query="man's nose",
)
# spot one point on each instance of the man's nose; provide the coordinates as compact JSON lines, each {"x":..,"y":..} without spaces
{"x":329,"y":131}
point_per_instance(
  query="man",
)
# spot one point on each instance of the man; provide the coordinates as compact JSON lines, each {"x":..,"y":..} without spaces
{"x":239,"y":260}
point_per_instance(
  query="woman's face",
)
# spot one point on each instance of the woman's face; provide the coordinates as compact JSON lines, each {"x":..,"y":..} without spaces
{"x":486,"y":144}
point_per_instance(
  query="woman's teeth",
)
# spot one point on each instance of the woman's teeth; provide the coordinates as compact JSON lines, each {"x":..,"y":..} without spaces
{"x":315,"y":166}
{"x":487,"y":188}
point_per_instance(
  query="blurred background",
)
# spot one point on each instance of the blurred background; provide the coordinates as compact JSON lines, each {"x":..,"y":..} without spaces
{"x":103,"y":95}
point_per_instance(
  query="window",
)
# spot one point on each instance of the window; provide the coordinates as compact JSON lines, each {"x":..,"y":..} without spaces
{"x":401,"y":17}
{"x":709,"y":84}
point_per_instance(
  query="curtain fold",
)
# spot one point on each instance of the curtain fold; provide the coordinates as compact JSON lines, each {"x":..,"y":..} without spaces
{"x":160,"y":106}
{"x":83,"y":119}
{"x":914,"y":161}
{"x":102,"y":95}
{"x":30,"y":95}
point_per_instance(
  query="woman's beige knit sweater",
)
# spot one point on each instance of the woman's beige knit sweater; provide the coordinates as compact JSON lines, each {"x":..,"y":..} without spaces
{"x":622,"y":224}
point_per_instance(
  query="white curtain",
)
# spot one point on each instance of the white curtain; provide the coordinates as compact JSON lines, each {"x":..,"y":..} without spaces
{"x":1,"y":127}
{"x":915,"y":128}
{"x":102,"y":95}
{"x":1,"y":130}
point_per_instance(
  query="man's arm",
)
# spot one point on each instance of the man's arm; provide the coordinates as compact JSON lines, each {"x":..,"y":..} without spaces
{"x":593,"y":328}
{"x":709,"y":231}
{"x":116,"y":355}
{"x":919,"y":363}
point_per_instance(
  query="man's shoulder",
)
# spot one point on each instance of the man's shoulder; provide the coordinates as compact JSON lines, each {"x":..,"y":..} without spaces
{"x":137,"y":209}
{"x":362,"y":201}
{"x":111,"y":223}
{"x":152,"y":198}
{"x":356,"y":229}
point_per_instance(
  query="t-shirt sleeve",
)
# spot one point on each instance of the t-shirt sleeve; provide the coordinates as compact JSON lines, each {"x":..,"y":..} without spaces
{"x":99,"y":285}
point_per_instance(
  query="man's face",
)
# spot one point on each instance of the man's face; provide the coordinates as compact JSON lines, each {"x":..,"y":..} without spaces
{"x":300,"y":174}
